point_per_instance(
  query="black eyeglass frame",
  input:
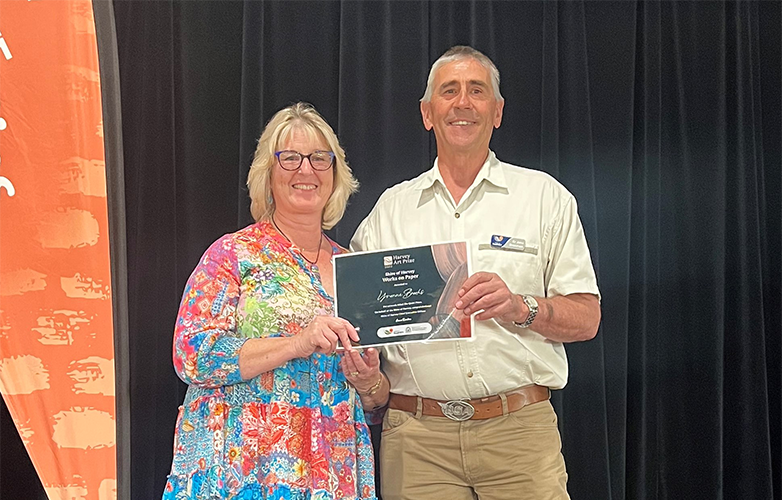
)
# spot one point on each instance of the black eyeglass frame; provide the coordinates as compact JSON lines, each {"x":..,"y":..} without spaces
{"x":303,"y":156}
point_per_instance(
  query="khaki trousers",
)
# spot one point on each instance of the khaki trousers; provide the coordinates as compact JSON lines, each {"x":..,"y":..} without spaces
{"x":510,"y":457}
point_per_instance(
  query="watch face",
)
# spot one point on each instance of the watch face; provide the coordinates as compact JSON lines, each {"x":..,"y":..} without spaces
{"x":532,"y":305}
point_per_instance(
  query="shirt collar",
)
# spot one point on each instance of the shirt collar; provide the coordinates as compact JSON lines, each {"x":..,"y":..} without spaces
{"x":490,"y":171}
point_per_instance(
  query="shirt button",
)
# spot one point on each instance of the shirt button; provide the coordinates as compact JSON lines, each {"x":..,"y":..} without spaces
{"x":457,"y":215}
{"x":469,"y":374}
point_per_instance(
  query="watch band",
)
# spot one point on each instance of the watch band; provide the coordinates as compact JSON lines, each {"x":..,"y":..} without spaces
{"x":532,"y":304}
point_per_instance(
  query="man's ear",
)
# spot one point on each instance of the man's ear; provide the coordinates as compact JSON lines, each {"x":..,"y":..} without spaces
{"x":498,"y":113}
{"x":426,"y":115}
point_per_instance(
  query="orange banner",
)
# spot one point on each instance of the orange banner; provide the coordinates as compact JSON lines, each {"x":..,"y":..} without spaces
{"x":56,"y":336}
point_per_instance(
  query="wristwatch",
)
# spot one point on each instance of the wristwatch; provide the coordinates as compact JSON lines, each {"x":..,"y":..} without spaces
{"x":533,"y":311}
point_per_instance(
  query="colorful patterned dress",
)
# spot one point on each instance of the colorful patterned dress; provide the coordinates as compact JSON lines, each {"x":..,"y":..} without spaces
{"x":295,"y":432}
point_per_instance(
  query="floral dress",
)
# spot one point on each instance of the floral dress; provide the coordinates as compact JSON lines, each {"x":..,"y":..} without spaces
{"x":296,"y":432}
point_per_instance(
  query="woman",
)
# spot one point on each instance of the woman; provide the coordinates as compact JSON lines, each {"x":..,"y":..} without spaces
{"x":269,"y":412}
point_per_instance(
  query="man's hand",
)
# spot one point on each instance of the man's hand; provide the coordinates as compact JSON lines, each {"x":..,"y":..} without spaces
{"x":564,"y":318}
{"x":487,"y":291}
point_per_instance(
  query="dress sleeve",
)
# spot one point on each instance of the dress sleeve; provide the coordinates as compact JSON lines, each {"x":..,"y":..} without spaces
{"x":206,"y":345}
{"x":375,"y":417}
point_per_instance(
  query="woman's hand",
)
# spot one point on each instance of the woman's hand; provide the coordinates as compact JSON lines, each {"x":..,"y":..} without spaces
{"x":362,"y":369}
{"x":322,"y":335}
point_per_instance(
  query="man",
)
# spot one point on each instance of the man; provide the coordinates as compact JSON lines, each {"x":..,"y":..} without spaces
{"x":531,"y":296}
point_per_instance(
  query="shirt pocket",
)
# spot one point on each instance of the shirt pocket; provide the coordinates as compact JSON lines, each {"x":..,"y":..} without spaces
{"x":521,"y":271}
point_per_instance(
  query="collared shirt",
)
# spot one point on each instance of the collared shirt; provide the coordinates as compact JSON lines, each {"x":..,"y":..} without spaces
{"x":503,"y":200}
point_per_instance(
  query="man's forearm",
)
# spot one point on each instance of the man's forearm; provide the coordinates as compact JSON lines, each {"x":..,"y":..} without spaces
{"x":565,"y":318}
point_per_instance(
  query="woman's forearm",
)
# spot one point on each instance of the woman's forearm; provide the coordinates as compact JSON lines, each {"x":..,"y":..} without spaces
{"x":374,"y":398}
{"x":261,"y":355}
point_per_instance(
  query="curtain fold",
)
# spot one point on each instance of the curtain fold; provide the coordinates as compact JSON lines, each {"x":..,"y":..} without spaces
{"x":106,"y":35}
{"x":147,"y":86}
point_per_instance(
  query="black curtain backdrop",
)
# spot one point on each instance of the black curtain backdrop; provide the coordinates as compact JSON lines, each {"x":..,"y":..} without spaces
{"x":662,"y":118}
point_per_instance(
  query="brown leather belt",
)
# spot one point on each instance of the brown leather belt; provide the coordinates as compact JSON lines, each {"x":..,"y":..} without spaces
{"x":471,"y":409}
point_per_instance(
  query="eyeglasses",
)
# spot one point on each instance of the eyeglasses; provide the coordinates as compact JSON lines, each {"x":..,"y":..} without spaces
{"x":292,"y":160}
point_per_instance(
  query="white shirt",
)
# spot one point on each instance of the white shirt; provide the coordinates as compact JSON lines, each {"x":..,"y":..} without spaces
{"x":503,"y":200}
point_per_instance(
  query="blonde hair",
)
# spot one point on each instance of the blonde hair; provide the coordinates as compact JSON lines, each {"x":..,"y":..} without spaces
{"x":303,"y":117}
{"x":457,"y":53}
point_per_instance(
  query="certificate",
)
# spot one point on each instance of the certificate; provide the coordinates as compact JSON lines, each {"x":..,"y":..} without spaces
{"x":403,"y":295}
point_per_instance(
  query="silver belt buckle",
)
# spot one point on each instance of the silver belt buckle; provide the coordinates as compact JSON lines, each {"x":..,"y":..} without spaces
{"x":457,"y":410}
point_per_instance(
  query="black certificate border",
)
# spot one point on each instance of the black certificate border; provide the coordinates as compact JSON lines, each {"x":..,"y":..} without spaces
{"x":399,"y":250}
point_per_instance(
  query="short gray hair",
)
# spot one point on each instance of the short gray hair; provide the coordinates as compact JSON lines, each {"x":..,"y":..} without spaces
{"x":299,"y":116}
{"x":457,"y":53}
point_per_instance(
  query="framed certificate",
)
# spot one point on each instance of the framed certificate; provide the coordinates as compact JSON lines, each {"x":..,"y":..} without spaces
{"x":405,"y":294}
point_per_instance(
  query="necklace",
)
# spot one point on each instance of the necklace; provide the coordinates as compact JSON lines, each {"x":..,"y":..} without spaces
{"x":320,"y":242}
